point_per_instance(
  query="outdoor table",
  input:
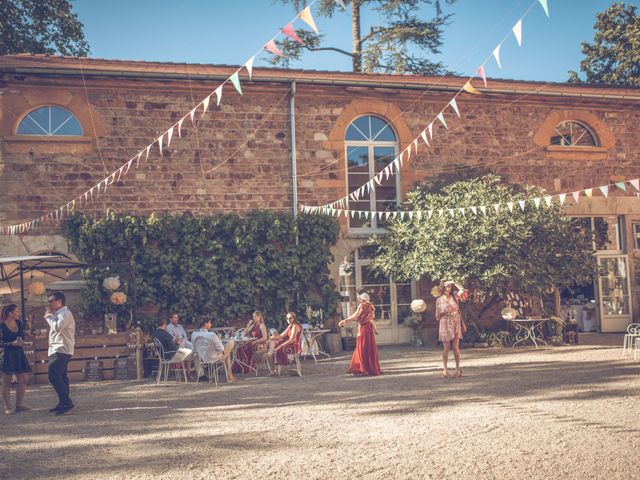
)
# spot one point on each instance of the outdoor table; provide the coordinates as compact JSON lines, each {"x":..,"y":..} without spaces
{"x":526,"y":329}
{"x":237,"y":342}
{"x":312,"y":345}
{"x":225,"y":330}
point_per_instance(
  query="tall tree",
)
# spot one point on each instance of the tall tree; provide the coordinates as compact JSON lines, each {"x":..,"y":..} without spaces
{"x":388,"y":47}
{"x":525,"y":251}
{"x":614,"y":56}
{"x":40,"y":26}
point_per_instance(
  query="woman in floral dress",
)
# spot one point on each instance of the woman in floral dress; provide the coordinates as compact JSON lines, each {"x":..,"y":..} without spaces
{"x":451,"y":325}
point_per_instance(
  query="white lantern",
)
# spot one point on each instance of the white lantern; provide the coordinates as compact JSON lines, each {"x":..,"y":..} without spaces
{"x":118,"y":298}
{"x":37,"y":288}
{"x":418,"y":305}
{"x":111,"y":283}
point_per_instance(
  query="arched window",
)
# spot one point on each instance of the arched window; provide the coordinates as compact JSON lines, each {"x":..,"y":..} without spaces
{"x":50,"y":121}
{"x":371,"y":144}
{"x":573,"y":134}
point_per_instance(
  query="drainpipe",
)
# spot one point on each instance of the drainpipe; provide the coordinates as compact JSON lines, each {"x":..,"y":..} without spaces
{"x":294,"y":167}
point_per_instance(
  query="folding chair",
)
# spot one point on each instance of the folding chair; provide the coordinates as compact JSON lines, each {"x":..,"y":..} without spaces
{"x":165,"y":365}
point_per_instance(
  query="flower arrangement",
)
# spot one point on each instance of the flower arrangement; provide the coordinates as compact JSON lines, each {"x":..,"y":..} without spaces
{"x":111,"y":283}
{"x":118,"y":298}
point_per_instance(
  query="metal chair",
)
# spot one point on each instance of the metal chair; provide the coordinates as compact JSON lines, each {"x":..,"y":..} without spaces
{"x":211,"y":368}
{"x":633,"y":332}
{"x":294,"y":351}
{"x":165,"y":365}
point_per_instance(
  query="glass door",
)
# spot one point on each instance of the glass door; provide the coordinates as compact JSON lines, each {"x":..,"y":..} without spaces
{"x":614,"y":288}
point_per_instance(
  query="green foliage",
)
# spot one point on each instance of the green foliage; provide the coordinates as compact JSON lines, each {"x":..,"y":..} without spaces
{"x":40,"y":26}
{"x":614,"y":56}
{"x":223,"y":265}
{"x":387,"y":47}
{"x":525,"y":251}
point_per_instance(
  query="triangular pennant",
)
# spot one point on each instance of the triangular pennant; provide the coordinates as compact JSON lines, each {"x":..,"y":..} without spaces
{"x":249,"y":66}
{"x":205,"y":105}
{"x":545,"y":6}
{"x":451,"y":212}
{"x":430,"y":213}
{"x":467,"y":87}
{"x":576,"y":196}
{"x":160,"y":142}
{"x":496,"y":55}
{"x":454,"y":105}
{"x":547,"y":200}
{"x":441,"y":118}
{"x":290,"y":32}
{"x":387,"y":215}
{"x":218,"y":92}
{"x":410,"y":215}
{"x":474,"y":210}
{"x":605,"y":190}
{"x":430,"y":128}
{"x":401,"y":215}
{"x":128,"y":166}
{"x":510,"y":206}
{"x":192,"y":114}
{"x":482,"y":74}
{"x":562,"y":198}
{"x":496,"y":207}
{"x":169,"y":136}
{"x":415,"y":145}
{"x":522,"y":204}
{"x":636,"y":183}
{"x":235,"y":80}
{"x":483,"y":209}
{"x":180,"y":127}
{"x":621,"y":186}
{"x":306,"y":17}
{"x":423,"y":134}
{"x":271,"y":46}
{"x":588,"y":192}
{"x":536,"y":201}
{"x":419,"y":214}
{"x":461,"y":210}
{"x":517,"y":31}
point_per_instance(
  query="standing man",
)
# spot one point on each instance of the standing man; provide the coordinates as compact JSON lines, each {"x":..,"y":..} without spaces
{"x":62,"y":329}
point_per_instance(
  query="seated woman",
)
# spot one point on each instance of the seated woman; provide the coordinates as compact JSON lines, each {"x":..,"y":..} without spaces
{"x":245,"y":354}
{"x":285,"y":344}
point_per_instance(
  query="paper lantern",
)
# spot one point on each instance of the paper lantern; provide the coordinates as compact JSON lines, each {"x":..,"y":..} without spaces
{"x":111,"y":283}
{"x":37,"y":288}
{"x":418,"y":305}
{"x":118,"y":298}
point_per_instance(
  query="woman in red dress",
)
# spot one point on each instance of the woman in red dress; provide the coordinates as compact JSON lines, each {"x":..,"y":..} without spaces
{"x":287,"y":343}
{"x":365,"y":356}
{"x":246,"y":353}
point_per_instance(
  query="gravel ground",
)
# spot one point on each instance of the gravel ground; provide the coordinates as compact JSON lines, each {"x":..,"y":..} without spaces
{"x":567,"y":412}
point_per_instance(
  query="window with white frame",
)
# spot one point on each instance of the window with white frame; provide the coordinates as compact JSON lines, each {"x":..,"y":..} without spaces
{"x":371,"y":144}
{"x":573,"y":134}
{"x":50,"y":121}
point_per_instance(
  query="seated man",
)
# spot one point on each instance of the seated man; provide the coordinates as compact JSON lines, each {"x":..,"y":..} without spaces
{"x":177,"y":331}
{"x":172,"y":348}
{"x":210,"y":349}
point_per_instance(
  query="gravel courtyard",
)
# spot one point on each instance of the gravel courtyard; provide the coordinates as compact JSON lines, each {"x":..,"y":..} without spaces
{"x":568,"y":412}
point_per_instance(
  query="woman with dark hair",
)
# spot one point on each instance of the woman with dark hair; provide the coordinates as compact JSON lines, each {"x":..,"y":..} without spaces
{"x":287,"y":343}
{"x":14,"y":361}
{"x":365,"y":357}
{"x":451,"y":325}
{"x":245,"y":354}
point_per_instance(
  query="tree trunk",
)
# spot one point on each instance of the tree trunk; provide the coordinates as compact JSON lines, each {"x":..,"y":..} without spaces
{"x":357,"y":37}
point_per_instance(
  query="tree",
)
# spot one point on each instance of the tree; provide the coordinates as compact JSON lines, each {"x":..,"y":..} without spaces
{"x":40,"y":26}
{"x":385,"y":48}
{"x":614,"y":56}
{"x":526,"y":251}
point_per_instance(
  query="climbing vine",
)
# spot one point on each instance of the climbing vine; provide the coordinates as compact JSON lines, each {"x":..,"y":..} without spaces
{"x":221,"y":265}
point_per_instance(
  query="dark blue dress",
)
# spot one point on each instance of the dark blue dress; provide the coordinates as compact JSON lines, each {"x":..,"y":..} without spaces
{"x":14,"y":360}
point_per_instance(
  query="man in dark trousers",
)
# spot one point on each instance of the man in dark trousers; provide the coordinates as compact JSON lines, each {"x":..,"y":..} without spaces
{"x":62,"y":329}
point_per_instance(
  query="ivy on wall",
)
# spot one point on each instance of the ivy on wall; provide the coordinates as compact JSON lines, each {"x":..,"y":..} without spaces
{"x":223,"y":265}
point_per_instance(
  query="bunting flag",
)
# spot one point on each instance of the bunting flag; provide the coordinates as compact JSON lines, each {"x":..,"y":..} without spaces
{"x":423,"y":134}
{"x":249,"y":66}
{"x":576,"y":196}
{"x":273,"y":48}
{"x":160,"y":140}
{"x":341,"y":3}
{"x":467,"y":87}
{"x":290,"y":32}
{"x":562,"y":198}
{"x":205,"y":106}
{"x":483,"y":209}
{"x":635,"y":183}
{"x":430,"y":128}
{"x":235,"y":80}
{"x":496,"y":55}
{"x":544,"y":6}
{"x":192,"y":114}
{"x":218,"y":92}
{"x":588,"y":192}
{"x":474,"y":210}
{"x":180,"y":127}
{"x":169,"y":136}
{"x":306,"y":17}
{"x":547,"y":200}
{"x":441,"y":118}
{"x":454,"y":105}
{"x":605,"y":190}
{"x":517,"y":32}
{"x":510,"y":206}
{"x":621,"y":186}
{"x":522,"y":204}
{"x":482,"y":74}
{"x":536,"y":202}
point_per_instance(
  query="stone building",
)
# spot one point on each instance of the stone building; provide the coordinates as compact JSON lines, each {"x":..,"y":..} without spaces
{"x":291,"y":138}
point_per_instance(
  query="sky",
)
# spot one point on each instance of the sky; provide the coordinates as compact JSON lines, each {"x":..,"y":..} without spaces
{"x":231,"y":31}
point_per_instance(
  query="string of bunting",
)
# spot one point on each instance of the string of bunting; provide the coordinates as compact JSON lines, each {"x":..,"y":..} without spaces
{"x":427,"y":134}
{"x":168,"y":135}
{"x":537,"y":202}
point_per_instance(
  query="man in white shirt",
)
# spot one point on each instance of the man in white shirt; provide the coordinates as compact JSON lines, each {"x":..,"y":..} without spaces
{"x":177,"y":331}
{"x":62,"y":328}
{"x":210,"y":349}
